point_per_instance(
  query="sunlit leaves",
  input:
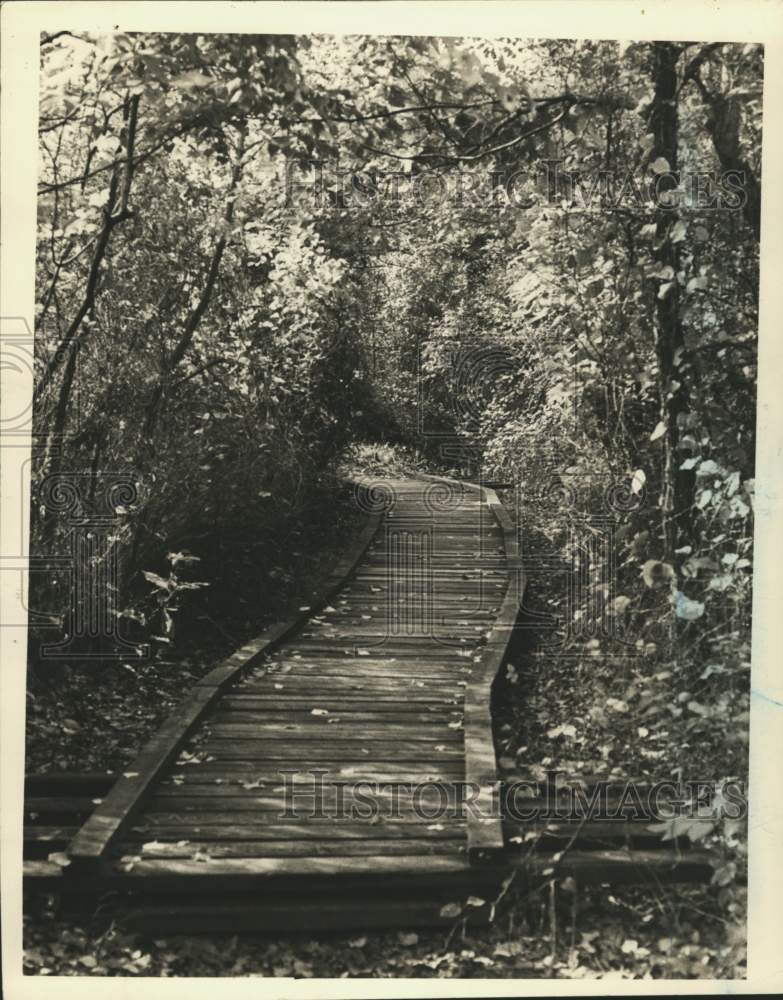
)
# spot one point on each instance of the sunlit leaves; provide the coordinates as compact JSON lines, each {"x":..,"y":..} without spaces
{"x":686,"y":608}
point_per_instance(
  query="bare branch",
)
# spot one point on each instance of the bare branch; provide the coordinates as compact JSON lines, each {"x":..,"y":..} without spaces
{"x":110,"y":220}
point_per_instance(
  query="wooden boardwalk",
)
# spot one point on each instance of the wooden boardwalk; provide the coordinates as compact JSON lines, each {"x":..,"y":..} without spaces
{"x":371,"y":689}
{"x":340,"y":770}
{"x":341,"y":748}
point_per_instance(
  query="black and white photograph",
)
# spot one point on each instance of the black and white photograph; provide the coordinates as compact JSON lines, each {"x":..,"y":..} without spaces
{"x":383,"y":419}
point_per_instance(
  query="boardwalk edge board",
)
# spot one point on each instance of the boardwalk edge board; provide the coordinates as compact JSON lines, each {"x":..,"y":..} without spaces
{"x":485,"y":832}
{"x":88,"y":849}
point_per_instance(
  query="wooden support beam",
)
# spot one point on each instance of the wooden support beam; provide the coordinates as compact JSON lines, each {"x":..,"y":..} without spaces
{"x":485,"y":828}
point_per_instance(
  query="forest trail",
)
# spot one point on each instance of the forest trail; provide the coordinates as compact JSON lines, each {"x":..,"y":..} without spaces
{"x":370,"y":690}
{"x":330,"y":768}
{"x":366,"y":701}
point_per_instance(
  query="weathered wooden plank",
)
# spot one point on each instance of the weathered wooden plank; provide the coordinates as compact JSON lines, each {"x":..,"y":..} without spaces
{"x":406,"y":628}
{"x":390,"y":846}
{"x":368,"y":686}
{"x":348,"y":703}
{"x":393,"y":647}
{"x":337,"y":658}
{"x":244,"y":826}
{"x":360,"y":667}
{"x":429,"y":796}
{"x":349,"y":751}
{"x":209,"y":773}
{"x":341,"y":730}
{"x":264,"y":715}
{"x":305,"y":868}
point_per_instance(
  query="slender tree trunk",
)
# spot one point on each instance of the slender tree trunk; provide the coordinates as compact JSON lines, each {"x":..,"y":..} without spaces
{"x":113,"y":215}
{"x":157,"y":400}
{"x":56,"y":439}
{"x":677,"y":484}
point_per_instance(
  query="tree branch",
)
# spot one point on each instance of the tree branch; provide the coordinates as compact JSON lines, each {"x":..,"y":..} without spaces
{"x":723,"y":125}
{"x":110,"y":220}
{"x":452,"y":158}
{"x":204,"y":368}
{"x":193,"y":320}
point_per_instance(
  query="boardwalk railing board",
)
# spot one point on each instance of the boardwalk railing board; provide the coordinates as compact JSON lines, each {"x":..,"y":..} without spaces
{"x":485,"y":827}
{"x":89,"y":847}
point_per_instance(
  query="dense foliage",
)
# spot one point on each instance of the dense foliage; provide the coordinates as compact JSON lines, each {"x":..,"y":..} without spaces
{"x":536,"y":261}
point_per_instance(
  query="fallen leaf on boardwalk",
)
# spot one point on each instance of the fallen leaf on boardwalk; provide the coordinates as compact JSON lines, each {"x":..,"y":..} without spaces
{"x":362,"y":652}
{"x":436,"y":826}
{"x":59,"y":858}
{"x":450,"y":910}
{"x":252,"y":784}
{"x":441,"y":747}
{"x":320,"y":711}
{"x":130,"y":774}
{"x":475,"y":901}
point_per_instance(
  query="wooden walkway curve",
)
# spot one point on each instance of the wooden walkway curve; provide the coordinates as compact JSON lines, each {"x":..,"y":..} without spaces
{"x":339,"y":770}
{"x":383,"y":682}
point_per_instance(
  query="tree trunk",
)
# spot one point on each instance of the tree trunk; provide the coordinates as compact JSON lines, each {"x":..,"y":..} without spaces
{"x":677,"y":484}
